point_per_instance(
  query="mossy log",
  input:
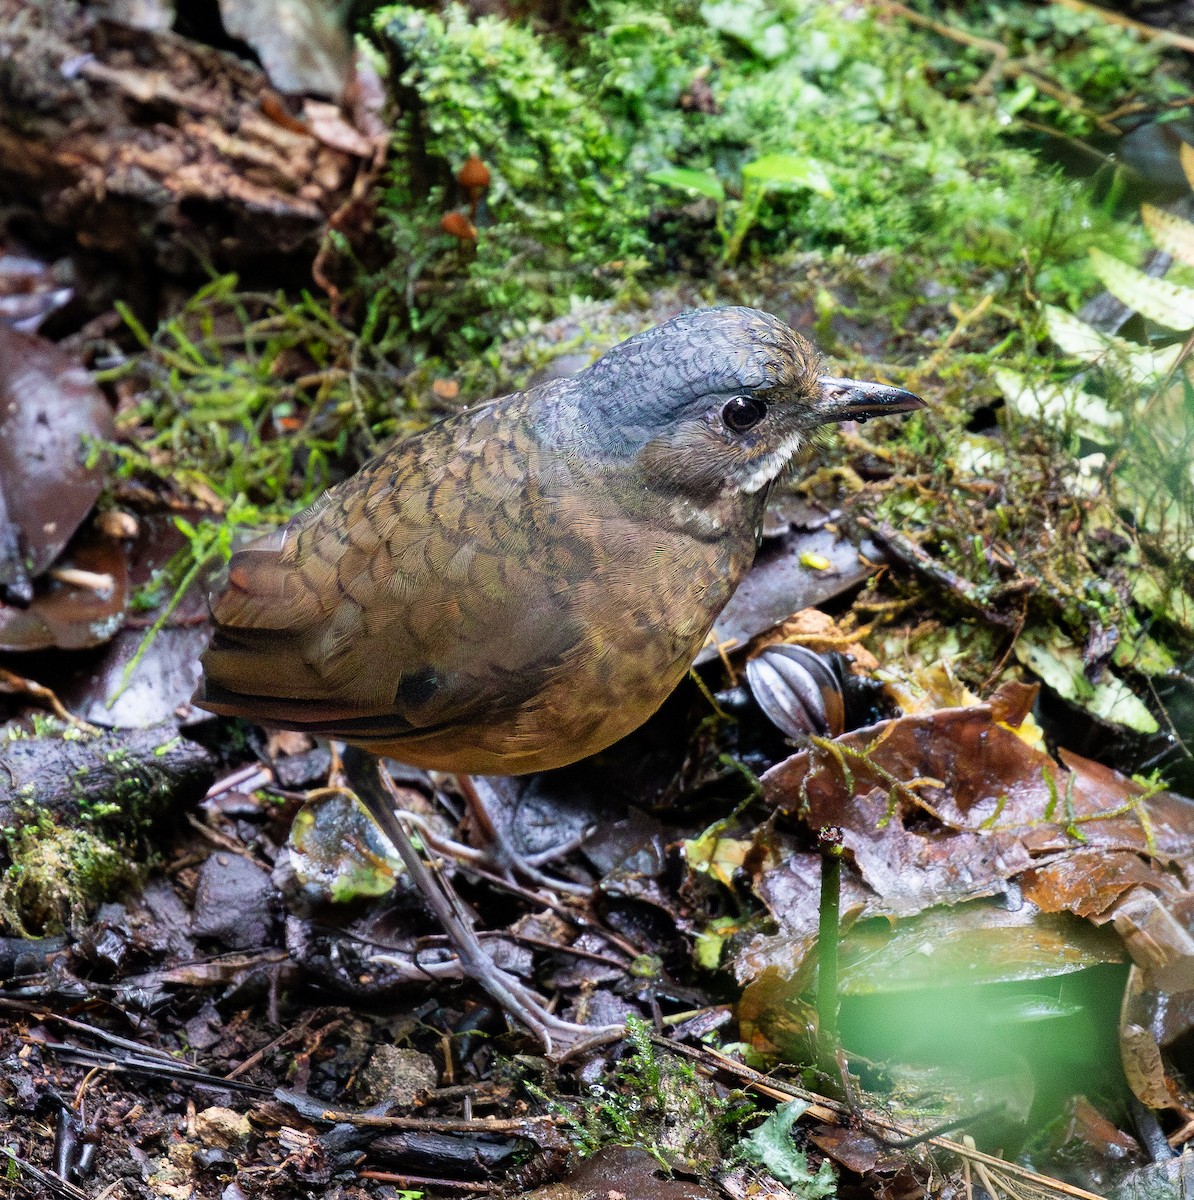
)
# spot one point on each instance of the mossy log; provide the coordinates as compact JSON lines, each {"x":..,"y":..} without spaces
{"x":155,"y":148}
{"x":121,"y":782}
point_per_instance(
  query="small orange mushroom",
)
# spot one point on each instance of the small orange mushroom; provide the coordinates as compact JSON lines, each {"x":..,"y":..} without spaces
{"x":459,"y":226}
{"x":474,"y":178}
{"x":474,"y":175}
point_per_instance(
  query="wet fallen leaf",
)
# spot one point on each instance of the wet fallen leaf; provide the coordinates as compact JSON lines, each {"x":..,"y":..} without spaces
{"x":942,"y":807}
{"x":1143,"y":1066}
{"x":50,"y":415}
{"x":1157,"y":1015}
{"x":1097,"y":1132}
{"x":80,"y":604}
{"x":969,"y":944}
{"x":968,"y":770}
{"x":164,"y":679}
{"x":779,"y":585}
{"x":234,"y":903}
{"x":1087,"y":882}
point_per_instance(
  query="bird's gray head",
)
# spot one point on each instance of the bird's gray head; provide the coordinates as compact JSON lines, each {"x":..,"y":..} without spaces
{"x":716,"y":399}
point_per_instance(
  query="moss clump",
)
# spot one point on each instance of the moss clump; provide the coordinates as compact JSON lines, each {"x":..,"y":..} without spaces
{"x":619,"y":152}
{"x":56,"y":876}
{"x":559,"y":197}
{"x":658,"y":1103}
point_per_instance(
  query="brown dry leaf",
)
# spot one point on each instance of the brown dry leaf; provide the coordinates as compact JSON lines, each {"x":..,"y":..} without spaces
{"x":854,"y":1149}
{"x":1157,"y":936}
{"x":1093,"y":1128}
{"x":788,"y":881}
{"x":912,"y":870}
{"x":1097,"y":790}
{"x":1087,"y":882}
{"x":970,"y":771}
{"x":959,"y":763}
{"x":1157,"y":1015}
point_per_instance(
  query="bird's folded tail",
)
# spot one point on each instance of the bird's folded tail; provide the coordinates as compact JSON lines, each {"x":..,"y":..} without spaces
{"x":269,"y":623}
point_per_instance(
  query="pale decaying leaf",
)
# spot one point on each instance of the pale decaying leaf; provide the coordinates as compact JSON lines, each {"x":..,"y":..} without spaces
{"x":1169,"y":304}
{"x":1061,"y":405}
{"x":1049,"y":654}
{"x":1080,"y":340}
{"x":1171,"y":233}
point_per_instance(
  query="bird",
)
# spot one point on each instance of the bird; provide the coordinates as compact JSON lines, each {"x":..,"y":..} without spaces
{"x":523,"y":583}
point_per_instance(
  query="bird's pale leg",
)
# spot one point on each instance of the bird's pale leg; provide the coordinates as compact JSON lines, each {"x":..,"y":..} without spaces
{"x":373,"y":789}
{"x":510,"y":862}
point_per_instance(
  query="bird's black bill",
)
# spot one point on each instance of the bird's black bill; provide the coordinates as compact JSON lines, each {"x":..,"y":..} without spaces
{"x":850,"y":400}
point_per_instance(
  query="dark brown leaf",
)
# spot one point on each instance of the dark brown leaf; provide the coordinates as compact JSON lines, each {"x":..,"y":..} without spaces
{"x":49,"y":411}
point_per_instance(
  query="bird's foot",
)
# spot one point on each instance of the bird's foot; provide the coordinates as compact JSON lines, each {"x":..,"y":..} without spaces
{"x":557,"y":1036}
{"x":508,"y":861}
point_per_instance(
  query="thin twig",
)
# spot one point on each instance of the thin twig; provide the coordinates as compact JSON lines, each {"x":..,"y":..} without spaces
{"x":16,"y":684}
{"x":1179,"y":41}
{"x":55,"y":1183}
{"x":1002,"y":63}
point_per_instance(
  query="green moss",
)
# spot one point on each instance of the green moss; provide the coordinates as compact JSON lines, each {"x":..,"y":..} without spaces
{"x":56,"y":876}
{"x":1093,"y":62}
{"x":573,"y":129}
{"x":657,"y":1102}
{"x":558,"y":200}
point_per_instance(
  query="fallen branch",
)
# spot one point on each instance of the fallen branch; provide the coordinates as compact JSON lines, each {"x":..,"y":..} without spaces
{"x":123,"y":780}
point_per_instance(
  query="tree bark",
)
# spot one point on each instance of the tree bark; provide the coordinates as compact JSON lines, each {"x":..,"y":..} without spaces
{"x":157,"y":149}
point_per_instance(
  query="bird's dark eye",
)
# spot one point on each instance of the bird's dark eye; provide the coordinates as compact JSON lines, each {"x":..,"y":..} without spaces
{"x":743,"y":413}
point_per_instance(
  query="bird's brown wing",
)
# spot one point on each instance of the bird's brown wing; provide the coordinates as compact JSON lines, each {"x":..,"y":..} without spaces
{"x":410,"y":597}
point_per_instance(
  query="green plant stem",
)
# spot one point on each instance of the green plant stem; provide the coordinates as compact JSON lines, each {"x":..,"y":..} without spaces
{"x":748,"y":212}
{"x":827,"y":950}
{"x":156,"y":628}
